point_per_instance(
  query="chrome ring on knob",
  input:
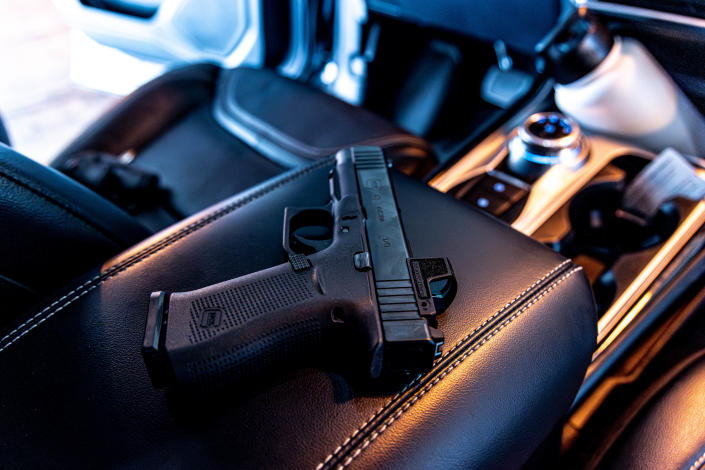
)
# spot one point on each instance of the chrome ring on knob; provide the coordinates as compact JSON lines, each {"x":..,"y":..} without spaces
{"x":543,"y":140}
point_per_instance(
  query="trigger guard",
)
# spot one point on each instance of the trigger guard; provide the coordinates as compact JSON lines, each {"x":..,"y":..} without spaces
{"x":290,"y":213}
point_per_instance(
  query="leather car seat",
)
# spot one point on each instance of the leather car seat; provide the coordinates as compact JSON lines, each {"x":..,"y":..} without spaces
{"x":669,"y":432}
{"x":518,"y":338}
{"x":209,"y":133}
{"x":53,"y":229}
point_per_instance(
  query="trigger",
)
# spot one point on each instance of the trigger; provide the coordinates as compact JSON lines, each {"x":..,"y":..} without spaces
{"x":315,"y":238}
{"x":307,"y":231}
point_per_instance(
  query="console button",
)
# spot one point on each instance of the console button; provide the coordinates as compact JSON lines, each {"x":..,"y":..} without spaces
{"x":503,"y":186}
{"x":494,"y":192}
{"x":488,"y":201}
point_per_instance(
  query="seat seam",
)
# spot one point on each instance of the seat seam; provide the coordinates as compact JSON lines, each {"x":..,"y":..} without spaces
{"x":458,"y":344}
{"x":111,"y":272}
{"x":63,"y":206}
{"x":366,"y":443}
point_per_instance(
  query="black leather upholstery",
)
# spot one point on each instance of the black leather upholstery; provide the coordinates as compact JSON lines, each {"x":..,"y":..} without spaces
{"x":519,"y":337}
{"x":143,"y":115}
{"x":53,"y":229}
{"x":292,"y":123}
{"x":669,"y":433}
{"x":202,"y":163}
{"x":266,"y":125}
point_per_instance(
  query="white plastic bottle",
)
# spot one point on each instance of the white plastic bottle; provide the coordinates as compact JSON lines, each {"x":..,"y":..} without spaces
{"x":630,"y":96}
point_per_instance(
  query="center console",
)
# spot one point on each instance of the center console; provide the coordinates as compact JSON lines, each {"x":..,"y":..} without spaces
{"x":564,"y":186}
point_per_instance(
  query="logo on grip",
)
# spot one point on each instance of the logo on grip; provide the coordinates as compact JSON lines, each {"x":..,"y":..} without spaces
{"x":210,"y":317}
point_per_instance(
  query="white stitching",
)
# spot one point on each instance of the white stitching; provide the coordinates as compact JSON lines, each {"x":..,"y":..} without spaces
{"x":506,"y":306}
{"x":455,"y":364}
{"x":153,"y":249}
{"x":191,"y":228}
{"x":42,"y":320}
{"x":131,"y":261}
{"x":159,"y":246}
{"x":697,"y":463}
{"x":418,"y":377}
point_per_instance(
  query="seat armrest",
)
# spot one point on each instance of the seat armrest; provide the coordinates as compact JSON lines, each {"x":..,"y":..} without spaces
{"x":519,"y":337}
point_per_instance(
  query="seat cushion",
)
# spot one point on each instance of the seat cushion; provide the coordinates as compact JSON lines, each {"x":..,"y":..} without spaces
{"x":210,"y":133}
{"x":669,"y":432}
{"x":519,"y":336}
{"x":293,"y":123}
{"x":201,"y":163}
{"x":144,"y":114}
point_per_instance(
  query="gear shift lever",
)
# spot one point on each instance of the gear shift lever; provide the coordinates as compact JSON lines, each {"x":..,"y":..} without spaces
{"x":614,"y":86}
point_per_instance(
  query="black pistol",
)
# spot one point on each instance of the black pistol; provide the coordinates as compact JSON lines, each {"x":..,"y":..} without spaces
{"x":349,"y":284}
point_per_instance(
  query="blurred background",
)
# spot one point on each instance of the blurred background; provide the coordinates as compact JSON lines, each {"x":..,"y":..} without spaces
{"x":63,"y":77}
{"x":49,"y":94}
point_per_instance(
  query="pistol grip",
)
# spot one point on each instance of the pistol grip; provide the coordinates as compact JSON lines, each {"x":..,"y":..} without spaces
{"x":228,"y":331}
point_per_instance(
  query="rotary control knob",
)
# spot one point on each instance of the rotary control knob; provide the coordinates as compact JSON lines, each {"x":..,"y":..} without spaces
{"x":544,"y":140}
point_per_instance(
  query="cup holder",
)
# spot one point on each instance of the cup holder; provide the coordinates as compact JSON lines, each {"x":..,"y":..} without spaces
{"x":602,"y":229}
{"x":611,"y":244}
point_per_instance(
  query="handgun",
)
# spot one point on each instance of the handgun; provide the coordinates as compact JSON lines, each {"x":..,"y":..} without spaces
{"x":349,"y":288}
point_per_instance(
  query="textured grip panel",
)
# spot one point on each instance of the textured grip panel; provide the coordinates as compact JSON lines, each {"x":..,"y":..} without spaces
{"x":245,"y":359}
{"x":224,"y":310}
